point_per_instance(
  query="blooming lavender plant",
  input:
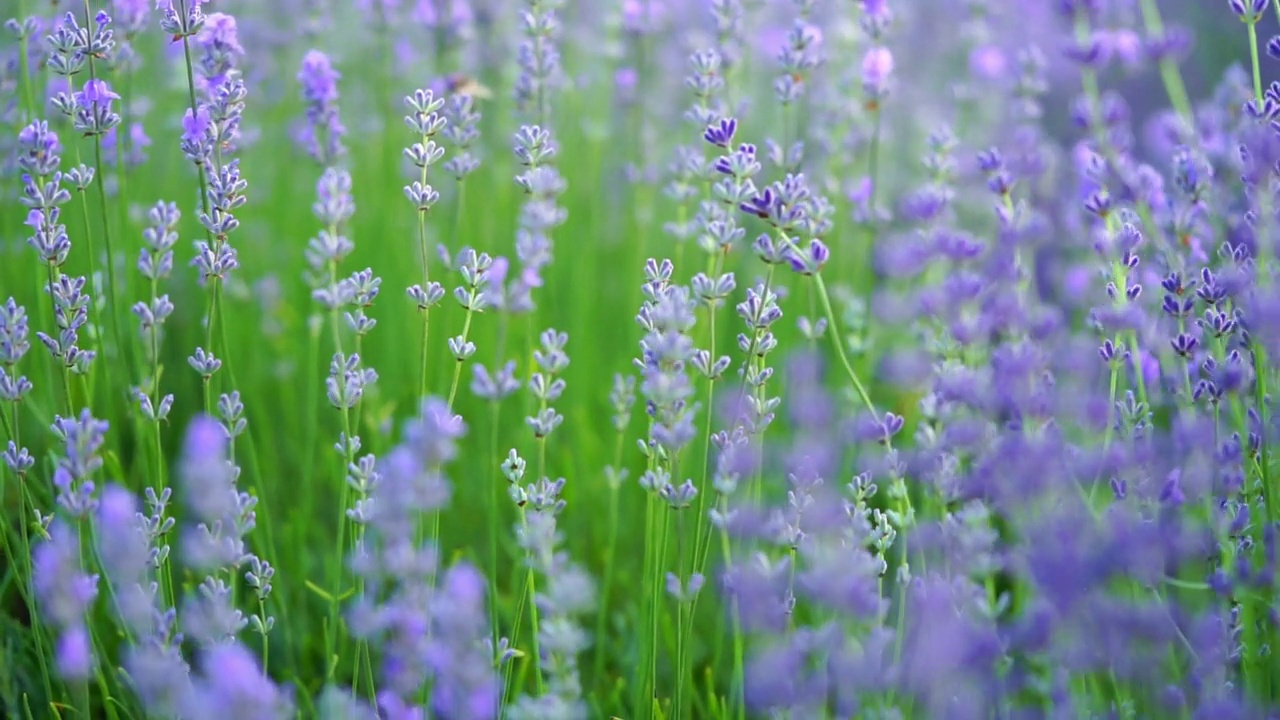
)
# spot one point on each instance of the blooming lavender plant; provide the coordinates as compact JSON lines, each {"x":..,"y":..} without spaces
{"x":426,"y":121}
{"x":965,"y":408}
{"x":322,"y":134}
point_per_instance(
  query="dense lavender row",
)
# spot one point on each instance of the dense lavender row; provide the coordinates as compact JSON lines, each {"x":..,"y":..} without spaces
{"x":741,"y":358}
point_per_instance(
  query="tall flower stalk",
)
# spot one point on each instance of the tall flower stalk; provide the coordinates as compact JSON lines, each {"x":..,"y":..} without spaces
{"x":75,"y":48}
{"x":425,"y":121}
{"x":40,"y":160}
{"x":155,"y":263}
{"x":348,"y":378}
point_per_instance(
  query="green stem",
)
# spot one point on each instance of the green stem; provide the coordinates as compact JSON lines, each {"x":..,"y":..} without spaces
{"x":739,"y":642}
{"x":457,"y":367}
{"x":347,"y":459}
{"x":24,"y":64}
{"x":491,"y":500}
{"x":529,"y":598}
{"x":644,"y":697}
{"x":23,"y":556}
{"x":54,"y":274}
{"x":1253,"y":58}
{"x":682,"y":606}
{"x":195,"y":105}
{"x":1169,"y":74}
{"x":656,"y":585}
{"x":609,"y":563}
{"x":109,"y":268}
{"x":102,"y":206}
{"x":836,"y":336}
{"x":99,"y":326}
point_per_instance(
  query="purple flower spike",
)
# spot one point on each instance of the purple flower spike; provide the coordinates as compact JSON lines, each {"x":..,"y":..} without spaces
{"x":1249,"y":11}
{"x":232,"y":683}
{"x":721,"y":134}
{"x":323,"y":132}
{"x":810,"y":260}
{"x":877,"y":66}
{"x":65,"y":593}
{"x":96,"y":92}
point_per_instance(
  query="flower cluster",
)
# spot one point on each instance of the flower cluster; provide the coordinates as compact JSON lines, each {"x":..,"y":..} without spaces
{"x":954,"y":394}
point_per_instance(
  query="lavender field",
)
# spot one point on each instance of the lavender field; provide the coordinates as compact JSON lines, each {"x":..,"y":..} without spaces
{"x":637,"y":359}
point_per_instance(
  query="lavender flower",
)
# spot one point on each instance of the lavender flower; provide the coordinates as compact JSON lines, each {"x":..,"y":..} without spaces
{"x":466,"y":684}
{"x":463,"y":131}
{"x":567,"y":592}
{"x":395,"y":608}
{"x":178,"y":23}
{"x":538,"y":58}
{"x":667,"y":317}
{"x":82,"y":440}
{"x":535,"y":149}
{"x":90,"y":109}
{"x":218,"y":42}
{"x":323,"y":132}
{"x":14,"y":344}
{"x":544,"y":384}
{"x":66,"y":593}
{"x":347,"y":381}
{"x":231,"y":680}
{"x":122,"y":541}
{"x":222,"y":515}
{"x":494,"y":386}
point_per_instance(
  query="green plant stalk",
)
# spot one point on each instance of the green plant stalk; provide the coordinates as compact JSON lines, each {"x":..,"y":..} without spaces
{"x":216,"y":242}
{"x":201,"y":171}
{"x":515,"y":638}
{"x":121,"y":348}
{"x":453,"y":391}
{"x":1169,"y":74}
{"x":98,"y":325}
{"x":834,"y":328}
{"x":266,"y":639}
{"x":1260,"y":395}
{"x":125,"y":148}
{"x":313,"y":409}
{"x":491,"y":500}
{"x":425,"y":257}
{"x":194,"y":105}
{"x":610,"y":561}
{"x":345,"y":492}
{"x":152,"y":350}
{"x":122,"y":351}
{"x":643,"y":688}
{"x":739,"y":641}
{"x":263,"y":508}
{"x":869,"y":224}
{"x":1251,"y":641}
{"x":207,"y":380}
{"x":701,"y":548}
{"x":24,"y":65}
{"x":54,"y":274}
{"x":656,"y":602}
{"x":1253,"y":58}
{"x":529,"y":592}
{"x":22,"y":558}
{"x":540,"y":682}
{"x":530,"y":597}
{"x":85,"y":528}
{"x":681,"y":609}
{"x":457,"y":367}
{"x":362,"y":644}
